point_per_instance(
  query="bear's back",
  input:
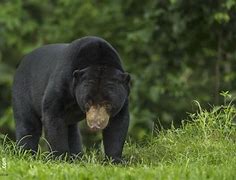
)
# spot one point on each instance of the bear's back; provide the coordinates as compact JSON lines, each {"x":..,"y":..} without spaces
{"x":33,"y":73}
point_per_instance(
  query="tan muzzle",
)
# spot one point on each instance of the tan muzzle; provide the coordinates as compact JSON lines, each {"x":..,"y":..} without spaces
{"x":97,"y":117}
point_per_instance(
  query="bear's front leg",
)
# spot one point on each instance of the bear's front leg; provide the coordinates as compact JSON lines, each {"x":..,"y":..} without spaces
{"x":114,"y":135}
{"x":56,"y":130}
{"x":56,"y":133}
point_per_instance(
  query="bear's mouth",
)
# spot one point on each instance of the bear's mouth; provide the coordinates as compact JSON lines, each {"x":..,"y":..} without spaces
{"x":97,"y":117}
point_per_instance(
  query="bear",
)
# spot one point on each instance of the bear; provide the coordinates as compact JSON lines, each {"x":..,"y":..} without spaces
{"x":57,"y":85}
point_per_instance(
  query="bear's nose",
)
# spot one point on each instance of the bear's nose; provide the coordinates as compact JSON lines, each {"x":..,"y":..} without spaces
{"x":95,"y":126}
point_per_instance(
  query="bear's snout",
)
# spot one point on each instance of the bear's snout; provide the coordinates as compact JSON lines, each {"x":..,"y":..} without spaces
{"x":97,"y":117}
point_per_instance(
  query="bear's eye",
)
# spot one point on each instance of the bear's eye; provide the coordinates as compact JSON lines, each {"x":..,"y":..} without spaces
{"x":91,"y":81}
{"x":117,"y":81}
{"x":108,"y":107}
{"x":110,"y":85}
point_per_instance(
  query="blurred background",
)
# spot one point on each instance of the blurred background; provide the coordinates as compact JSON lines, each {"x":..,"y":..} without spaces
{"x":176,"y":51}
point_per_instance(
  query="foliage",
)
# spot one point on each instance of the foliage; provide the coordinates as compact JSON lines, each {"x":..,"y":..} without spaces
{"x":177,"y":51}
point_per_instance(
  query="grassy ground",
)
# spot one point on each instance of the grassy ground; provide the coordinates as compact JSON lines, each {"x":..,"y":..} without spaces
{"x":202,"y":149}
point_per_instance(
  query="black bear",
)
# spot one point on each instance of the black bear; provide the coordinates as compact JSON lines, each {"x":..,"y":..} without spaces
{"x":58,"y":85}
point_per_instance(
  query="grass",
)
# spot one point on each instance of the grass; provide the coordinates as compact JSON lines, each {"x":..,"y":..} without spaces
{"x":203,"y":148}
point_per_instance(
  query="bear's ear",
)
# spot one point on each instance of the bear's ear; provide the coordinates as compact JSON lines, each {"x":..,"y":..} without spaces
{"x":76,"y":77}
{"x":77,"y":73}
{"x":126,"y":78}
{"x":127,"y":81}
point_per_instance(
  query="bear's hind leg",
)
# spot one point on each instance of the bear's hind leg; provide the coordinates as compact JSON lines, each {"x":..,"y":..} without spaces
{"x":28,"y":129}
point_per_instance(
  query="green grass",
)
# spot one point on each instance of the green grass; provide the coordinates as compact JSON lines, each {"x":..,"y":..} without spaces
{"x":204,"y":148}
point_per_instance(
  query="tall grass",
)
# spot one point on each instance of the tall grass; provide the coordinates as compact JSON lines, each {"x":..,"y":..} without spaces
{"x":203,"y":148}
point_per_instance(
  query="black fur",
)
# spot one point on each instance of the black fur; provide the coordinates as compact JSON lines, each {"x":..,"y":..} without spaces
{"x":54,"y":86}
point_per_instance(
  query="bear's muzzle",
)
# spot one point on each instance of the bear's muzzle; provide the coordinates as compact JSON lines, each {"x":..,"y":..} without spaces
{"x":97,"y":117}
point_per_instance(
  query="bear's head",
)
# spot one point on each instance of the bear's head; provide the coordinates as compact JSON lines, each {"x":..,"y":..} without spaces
{"x":101,"y":92}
